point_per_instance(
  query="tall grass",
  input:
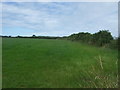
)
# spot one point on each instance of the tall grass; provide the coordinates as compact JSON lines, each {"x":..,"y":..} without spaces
{"x":99,"y":76}
{"x":42,"y":63}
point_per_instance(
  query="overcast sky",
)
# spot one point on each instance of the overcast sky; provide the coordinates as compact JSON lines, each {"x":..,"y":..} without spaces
{"x":58,"y":19}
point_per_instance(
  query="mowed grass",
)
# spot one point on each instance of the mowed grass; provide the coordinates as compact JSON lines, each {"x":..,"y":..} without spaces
{"x":42,"y":63}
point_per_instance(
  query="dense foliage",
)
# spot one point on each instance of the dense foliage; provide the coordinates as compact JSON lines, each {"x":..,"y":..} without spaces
{"x":113,"y":44}
{"x":101,"y":38}
{"x":84,"y":37}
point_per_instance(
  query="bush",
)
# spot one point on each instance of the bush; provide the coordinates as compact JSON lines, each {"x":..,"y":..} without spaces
{"x":102,"y":37}
{"x":114,"y":44}
{"x":83,"y":37}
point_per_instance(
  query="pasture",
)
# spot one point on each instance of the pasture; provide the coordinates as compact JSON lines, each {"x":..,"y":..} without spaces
{"x":50,"y":63}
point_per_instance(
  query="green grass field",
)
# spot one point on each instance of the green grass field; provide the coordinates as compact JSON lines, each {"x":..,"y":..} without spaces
{"x":42,"y":63}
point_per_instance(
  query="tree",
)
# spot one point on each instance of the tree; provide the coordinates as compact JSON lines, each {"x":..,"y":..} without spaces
{"x":33,"y":36}
{"x":102,"y":37}
{"x":83,"y":37}
{"x":18,"y":36}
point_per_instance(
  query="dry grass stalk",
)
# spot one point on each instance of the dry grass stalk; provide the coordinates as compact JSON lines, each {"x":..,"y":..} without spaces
{"x":101,"y":62}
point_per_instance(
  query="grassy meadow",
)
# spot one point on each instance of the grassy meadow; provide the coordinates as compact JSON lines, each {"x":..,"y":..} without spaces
{"x":50,"y":63}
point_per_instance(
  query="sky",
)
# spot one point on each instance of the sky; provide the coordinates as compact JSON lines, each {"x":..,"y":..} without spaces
{"x":58,"y":18}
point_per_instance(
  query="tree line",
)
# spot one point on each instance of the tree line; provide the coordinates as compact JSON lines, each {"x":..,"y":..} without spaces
{"x":103,"y":38}
{"x":33,"y":36}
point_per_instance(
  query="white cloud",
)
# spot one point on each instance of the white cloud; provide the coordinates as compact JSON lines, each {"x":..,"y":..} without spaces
{"x":26,"y":17}
{"x":61,"y":18}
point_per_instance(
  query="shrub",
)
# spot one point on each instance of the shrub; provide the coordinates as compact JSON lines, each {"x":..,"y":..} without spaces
{"x":102,"y":37}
